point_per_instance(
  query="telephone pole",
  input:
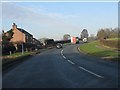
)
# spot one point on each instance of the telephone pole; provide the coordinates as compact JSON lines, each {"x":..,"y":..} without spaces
{"x":22,"y":43}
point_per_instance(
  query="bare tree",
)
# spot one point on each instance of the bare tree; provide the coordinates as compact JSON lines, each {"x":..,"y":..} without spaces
{"x":84,"y":34}
{"x":66,"y":37}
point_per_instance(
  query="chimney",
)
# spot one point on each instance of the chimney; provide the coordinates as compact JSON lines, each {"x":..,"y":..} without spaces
{"x":14,"y":26}
{"x":3,"y":31}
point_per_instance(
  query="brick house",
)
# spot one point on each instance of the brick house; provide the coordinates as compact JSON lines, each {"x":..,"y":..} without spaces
{"x":20,"y":35}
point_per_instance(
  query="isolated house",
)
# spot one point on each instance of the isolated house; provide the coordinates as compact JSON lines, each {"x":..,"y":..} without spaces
{"x":22,"y":39}
{"x":20,"y":35}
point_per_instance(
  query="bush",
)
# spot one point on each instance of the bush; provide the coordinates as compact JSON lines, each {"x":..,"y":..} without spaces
{"x":110,"y":43}
{"x":6,"y":50}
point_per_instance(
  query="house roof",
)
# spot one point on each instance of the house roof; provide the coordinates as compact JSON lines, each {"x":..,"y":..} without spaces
{"x":25,"y":32}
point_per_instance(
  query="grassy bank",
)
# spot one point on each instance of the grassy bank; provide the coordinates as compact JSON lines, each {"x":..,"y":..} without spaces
{"x":15,"y":56}
{"x":19,"y":56}
{"x":112,"y":43}
{"x":95,"y":49}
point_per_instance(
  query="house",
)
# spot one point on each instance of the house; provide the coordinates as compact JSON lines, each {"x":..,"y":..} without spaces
{"x":20,"y":35}
{"x":22,"y":39}
{"x":37,"y":43}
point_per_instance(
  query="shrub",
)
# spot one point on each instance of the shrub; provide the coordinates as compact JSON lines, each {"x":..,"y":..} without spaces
{"x":110,"y":43}
{"x":6,"y":50}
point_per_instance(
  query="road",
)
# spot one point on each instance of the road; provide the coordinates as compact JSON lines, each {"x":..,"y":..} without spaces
{"x":62,"y":68}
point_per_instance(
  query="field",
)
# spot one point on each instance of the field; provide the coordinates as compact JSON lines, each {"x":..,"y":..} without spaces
{"x":96,"y":49}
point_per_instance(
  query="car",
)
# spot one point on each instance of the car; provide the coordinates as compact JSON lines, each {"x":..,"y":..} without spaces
{"x":59,"y":45}
{"x":85,"y":40}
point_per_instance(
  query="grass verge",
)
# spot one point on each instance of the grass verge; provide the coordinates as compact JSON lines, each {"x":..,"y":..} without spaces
{"x":15,"y":56}
{"x":9,"y":61}
{"x":94,"y":48}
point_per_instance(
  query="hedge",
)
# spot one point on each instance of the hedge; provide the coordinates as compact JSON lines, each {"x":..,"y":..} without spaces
{"x":111,"y":43}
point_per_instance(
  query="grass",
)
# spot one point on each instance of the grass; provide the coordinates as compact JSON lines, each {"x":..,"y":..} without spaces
{"x":15,"y":56}
{"x":111,"y":43}
{"x":18,"y":54}
{"x":94,"y":48}
{"x":113,"y":39}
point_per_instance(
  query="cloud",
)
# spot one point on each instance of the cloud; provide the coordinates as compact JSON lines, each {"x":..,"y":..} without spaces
{"x":57,"y":23}
{"x":10,"y":10}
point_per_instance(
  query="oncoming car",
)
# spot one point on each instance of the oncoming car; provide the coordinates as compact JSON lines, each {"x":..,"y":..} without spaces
{"x":58,"y":45}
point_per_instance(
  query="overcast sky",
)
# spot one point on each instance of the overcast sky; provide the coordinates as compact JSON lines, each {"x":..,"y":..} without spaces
{"x":54,"y":19}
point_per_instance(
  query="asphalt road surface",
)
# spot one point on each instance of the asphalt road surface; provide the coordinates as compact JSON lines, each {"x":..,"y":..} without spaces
{"x":62,"y":68}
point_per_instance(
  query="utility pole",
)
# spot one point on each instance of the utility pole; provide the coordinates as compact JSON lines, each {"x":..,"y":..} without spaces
{"x":22,"y":43}
{"x":22,"y":49}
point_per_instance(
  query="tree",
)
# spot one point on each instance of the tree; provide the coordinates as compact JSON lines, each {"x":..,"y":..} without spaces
{"x":114,"y":33}
{"x":66,"y":37}
{"x":42,"y":40}
{"x":101,"y":34}
{"x":84,"y":34}
{"x":7,"y":46}
{"x":6,"y":37}
{"x":10,"y":34}
{"x":108,"y":33}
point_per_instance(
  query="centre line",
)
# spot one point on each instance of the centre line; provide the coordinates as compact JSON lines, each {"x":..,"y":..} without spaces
{"x":91,"y":72}
{"x":71,"y":62}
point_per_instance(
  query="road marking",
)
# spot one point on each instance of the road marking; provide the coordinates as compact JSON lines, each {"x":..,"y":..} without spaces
{"x":81,"y":67}
{"x":71,"y":62}
{"x":79,"y":49}
{"x":64,"y":57}
{"x":90,"y":72}
{"x":62,"y":52}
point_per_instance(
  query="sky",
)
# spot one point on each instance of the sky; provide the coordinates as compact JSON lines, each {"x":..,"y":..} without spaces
{"x":54,"y":19}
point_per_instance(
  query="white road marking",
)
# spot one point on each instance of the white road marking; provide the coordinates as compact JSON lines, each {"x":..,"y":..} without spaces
{"x":90,"y":72}
{"x":62,"y":51}
{"x":79,"y":49}
{"x":81,"y":67}
{"x":64,"y":57}
{"x":71,"y":62}
{"x":62,"y":54}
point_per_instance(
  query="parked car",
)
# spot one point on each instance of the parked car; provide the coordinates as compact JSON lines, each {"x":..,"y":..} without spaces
{"x":59,"y":45}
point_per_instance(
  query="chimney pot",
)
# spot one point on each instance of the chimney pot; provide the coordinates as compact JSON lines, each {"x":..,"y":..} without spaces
{"x":14,"y":26}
